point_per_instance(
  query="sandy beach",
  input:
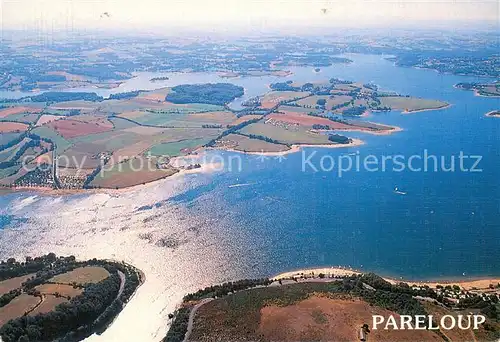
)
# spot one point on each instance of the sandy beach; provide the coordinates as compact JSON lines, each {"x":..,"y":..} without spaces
{"x":480,"y":284}
{"x":467,"y":284}
{"x":328,"y":271}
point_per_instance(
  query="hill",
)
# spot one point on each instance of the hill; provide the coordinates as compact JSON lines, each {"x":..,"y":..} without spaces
{"x":322,"y":308}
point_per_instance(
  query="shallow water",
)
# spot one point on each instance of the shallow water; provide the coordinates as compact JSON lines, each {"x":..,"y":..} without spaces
{"x":283,"y":218}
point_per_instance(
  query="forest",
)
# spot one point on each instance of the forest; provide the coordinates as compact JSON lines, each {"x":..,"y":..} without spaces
{"x":56,"y":96}
{"x":210,"y":93}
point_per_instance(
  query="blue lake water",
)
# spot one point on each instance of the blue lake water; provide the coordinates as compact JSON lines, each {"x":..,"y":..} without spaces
{"x":282,"y":218}
{"x":5,"y":220}
{"x":446,"y":225}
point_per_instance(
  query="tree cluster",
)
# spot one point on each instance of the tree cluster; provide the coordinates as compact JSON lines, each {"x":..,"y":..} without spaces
{"x":263,"y":138}
{"x":65,"y":97}
{"x":210,"y":93}
{"x":125,"y":96}
{"x":224,"y":289}
{"x":354,"y":111}
{"x":339,"y":139}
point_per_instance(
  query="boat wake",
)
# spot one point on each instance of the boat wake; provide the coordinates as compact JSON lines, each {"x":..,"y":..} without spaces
{"x":240,"y":185}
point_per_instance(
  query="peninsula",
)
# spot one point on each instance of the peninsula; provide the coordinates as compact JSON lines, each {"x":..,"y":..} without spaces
{"x":62,"y":298}
{"x":481,"y":89}
{"x":80,"y":140}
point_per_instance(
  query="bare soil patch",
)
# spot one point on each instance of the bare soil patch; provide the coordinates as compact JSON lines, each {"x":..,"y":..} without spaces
{"x":70,"y":128}
{"x":82,"y":275}
{"x":7,"y":127}
{"x":46,"y":118}
{"x":63,"y":290}
{"x":155,"y":96}
{"x":11,"y":284}
{"x":18,"y":110}
{"x":130,"y":179}
{"x":48,"y":304}
{"x":326,"y":319}
{"x":212,"y":117}
{"x":18,"y":307}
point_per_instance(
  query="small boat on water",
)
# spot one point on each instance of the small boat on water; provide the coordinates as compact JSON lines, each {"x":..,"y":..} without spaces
{"x":399,"y":192}
{"x":240,"y":185}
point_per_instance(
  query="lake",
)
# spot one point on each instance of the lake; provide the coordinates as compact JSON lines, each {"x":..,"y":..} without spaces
{"x":272,"y":216}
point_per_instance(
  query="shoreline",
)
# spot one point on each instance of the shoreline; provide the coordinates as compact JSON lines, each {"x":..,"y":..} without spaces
{"x":406,"y":112}
{"x":180,"y":172}
{"x":476,"y":92}
{"x":394,"y":129}
{"x":479,"y":283}
{"x":111,"y":191}
{"x":298,"y":147}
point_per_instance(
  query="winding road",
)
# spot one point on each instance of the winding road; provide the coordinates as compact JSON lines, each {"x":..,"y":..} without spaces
{"x":191,"y":317}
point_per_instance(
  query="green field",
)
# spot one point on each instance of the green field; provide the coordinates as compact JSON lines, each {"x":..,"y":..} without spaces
{"x":6,"y":154}
{"x":112,"y":140}
{"x":285,"y":136}
{"x":9,"y":171}
{"x":22,"y":117}
{"x":179,"y":118}
{"x":174,"y":149}
{"x":245,"y":144}
{"x":119,"y":123}
{"x":46,"y":132}
{"x":410,"y":104}
{"x":119,"y":139}
{"x":302,"y":110}
{"x":6,"y":137}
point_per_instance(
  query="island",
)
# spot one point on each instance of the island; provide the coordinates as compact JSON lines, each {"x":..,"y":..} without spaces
{"x":333,"y":304}
{"x":75,"y":141}
{"x":481,"y":89}
{"x":49,"y":297}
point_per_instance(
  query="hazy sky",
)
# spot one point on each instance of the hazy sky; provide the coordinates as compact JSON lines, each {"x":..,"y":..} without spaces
{"x":144,"y":14}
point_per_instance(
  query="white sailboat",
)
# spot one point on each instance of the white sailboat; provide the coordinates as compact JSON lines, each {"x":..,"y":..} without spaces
{"x":399,"y":192}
